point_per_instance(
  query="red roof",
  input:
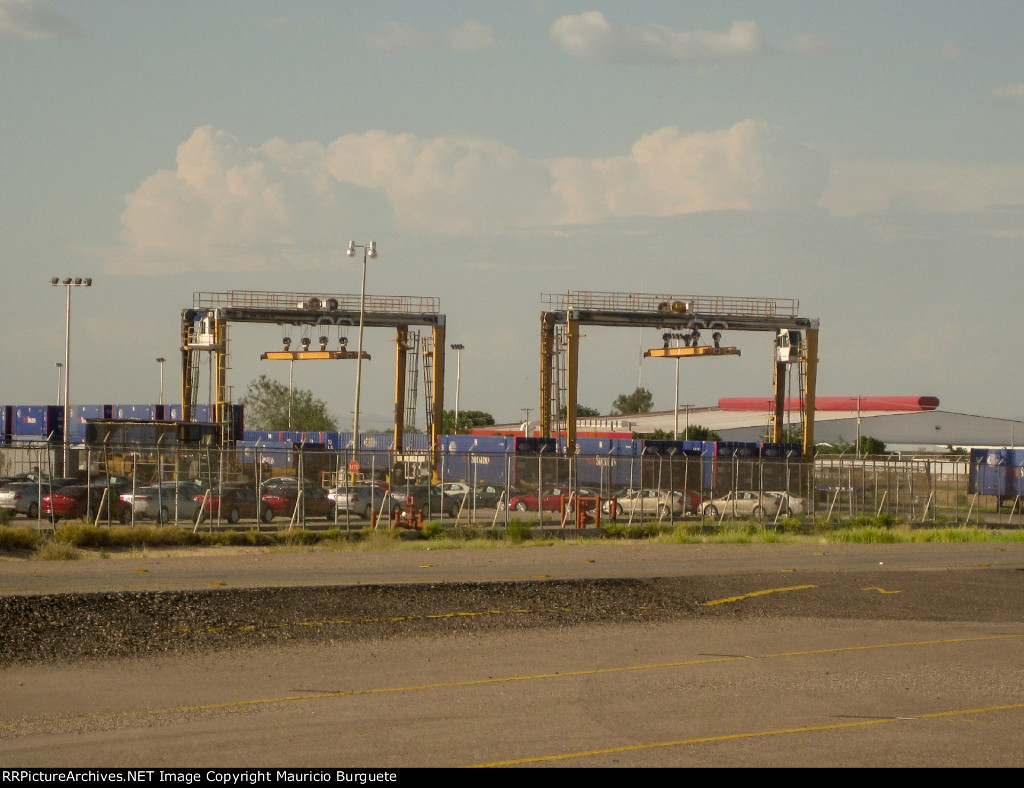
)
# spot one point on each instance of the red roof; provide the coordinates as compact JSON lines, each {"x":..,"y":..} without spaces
{"x":853,"y":404}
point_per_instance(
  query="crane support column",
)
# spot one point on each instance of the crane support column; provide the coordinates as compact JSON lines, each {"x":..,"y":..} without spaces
{"x":811,"y":361}
{"x":572,"y":370}
{"x":438,"y":404}
{"x":547,"y":360}
{"x":222,"y":402}
{"x":780,"y":400}
{"x":401,"y":341}
{"x":187,"y":392}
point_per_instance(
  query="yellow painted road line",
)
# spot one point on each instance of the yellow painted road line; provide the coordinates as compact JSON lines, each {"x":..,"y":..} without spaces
{"x":749,"y":735}
{"x":741,"y":597}
{"x":498,"y":680}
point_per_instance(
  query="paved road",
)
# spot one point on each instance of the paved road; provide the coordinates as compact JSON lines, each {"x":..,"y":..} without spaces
{"x":155,"y":569}
{"x":720,"y":655}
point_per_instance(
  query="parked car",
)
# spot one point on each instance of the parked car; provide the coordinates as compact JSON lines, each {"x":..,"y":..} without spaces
{"x":282,"y":500}
{"x":486,"y":496}
{"x":164,"y":504}
{"x":232,"y":501}
{"x":659,"y":503}
{"x":742,"y":503}
{"x":456,"y":488}
{"x":552,"y":499}
{"x":428,"y":498}
{"x":790,"y":504}
{"x":363,"y":500}
{"x":157,"y":501}
{"x":21,"y":498}
{"x":481,"y":496}
{"x":88,"y":501}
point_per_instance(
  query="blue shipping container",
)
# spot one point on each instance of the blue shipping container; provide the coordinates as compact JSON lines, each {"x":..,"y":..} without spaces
{"x":38,"y":421}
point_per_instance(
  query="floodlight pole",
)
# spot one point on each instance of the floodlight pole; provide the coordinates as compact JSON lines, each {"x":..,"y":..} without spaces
{"x":675,"y":406}
{"x":67,"y":283}
{"x":161,"y":361}
{"x":458,"y":348}
{"x":369,"y":251}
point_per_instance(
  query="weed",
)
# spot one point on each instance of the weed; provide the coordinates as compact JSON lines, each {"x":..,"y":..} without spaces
{"x":18,"y":538}
{"x":638,"y":531}
{"x":57,"y":550}
{"x":433,"y":530}
{"x":519,"y":532}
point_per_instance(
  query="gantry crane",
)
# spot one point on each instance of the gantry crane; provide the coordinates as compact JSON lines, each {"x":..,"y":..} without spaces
{"x":204,"y":329}
{"x":796,"y":342}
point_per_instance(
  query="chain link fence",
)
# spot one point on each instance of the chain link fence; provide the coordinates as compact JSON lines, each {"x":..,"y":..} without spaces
{"x":492,"y":489}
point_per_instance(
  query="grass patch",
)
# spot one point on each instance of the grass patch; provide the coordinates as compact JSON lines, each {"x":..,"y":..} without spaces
{"x":519,"y":532}
{"x":70,"y":538}
{"x":53,"y":550}
{"x":18,"y":538}
{"x":636,"y":531}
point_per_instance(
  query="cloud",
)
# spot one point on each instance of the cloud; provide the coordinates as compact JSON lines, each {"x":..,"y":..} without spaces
{"x":591,"y":36}
{"x":751,"y":166}
{"x":1008,"y":94}
{"x":229,"y":207}
{"x":35,"y":19}
{"x":471,"y":36}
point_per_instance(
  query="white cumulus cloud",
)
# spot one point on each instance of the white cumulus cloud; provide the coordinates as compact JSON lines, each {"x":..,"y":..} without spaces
{"x":231,"y":207}
{"x":35,"y":19}
{"x":1007,"y":94}
{"x":751,"y":166}
{"x":591,"y":36}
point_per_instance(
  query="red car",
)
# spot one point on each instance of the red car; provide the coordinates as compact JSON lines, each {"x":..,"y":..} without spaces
{"x":79,"y":500}
{"x":233,"y":501}
{"x":552,"y":498}
{"x":282,"y":500}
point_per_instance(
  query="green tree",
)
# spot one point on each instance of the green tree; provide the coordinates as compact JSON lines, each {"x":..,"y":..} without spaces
{"x":582,"y":412}
{"x":694,"y":432}
{"x":789,"y":435}
{"x":267,"y":408}
{"x":640,"y":401}
{"x":868,"y":445}
{"x":467,"y":420}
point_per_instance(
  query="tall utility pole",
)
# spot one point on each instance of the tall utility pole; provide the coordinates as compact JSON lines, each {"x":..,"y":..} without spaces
{"x":67,"y":283}
{"x":458,"y":348}
{"x":369,"y":251}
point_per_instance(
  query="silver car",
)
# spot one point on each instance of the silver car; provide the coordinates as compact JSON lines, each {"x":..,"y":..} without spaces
{"x":166,"y":502}
{"x":363,"y":500}
{"x":21,"y":498}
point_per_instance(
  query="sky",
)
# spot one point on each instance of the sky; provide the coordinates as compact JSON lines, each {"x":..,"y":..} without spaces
{"x":863,"y":158}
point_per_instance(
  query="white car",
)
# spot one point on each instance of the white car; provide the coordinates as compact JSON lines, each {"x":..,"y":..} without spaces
{"x":790,"y":504}
{"x":660,"y":503}
{"x":742,"y":503}
{"x":460,"y":489}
